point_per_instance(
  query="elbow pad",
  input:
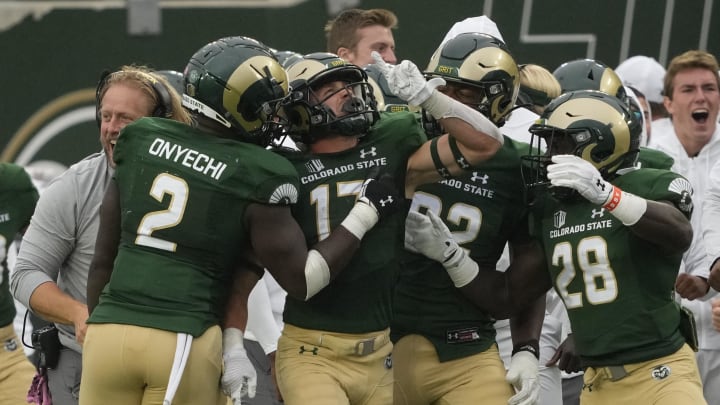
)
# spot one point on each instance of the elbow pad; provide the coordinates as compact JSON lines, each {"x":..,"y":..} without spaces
{"x":317,"y":273}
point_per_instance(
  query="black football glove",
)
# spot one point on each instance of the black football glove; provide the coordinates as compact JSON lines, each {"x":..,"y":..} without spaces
{"x":380,"y":192}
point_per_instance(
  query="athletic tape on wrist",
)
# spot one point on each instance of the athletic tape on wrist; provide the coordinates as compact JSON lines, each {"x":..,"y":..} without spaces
{"x":232,"y":337}
{"x":626,"y":207}
{"x":361,"y":218}
{"x":463,"y":271}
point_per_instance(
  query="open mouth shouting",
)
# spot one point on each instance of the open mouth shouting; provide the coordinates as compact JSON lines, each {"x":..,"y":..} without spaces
{"x":700,"y":115}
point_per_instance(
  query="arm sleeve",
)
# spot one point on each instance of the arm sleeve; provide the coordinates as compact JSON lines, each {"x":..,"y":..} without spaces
{"x":48,"y":240}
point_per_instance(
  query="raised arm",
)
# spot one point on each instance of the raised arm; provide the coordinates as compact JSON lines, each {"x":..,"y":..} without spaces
{"x":471,"y":137}
{"x":650,"y":220}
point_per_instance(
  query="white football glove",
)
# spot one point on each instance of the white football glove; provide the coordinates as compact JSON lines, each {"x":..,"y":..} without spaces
{"x":429,"y":236}
{"x":578,"y":174}
{"x":406,"y":81}
{"x":239,"y":376}
{"x":523,"y":375}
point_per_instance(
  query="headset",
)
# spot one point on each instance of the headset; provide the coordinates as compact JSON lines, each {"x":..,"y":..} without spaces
{"x":164,"y":107}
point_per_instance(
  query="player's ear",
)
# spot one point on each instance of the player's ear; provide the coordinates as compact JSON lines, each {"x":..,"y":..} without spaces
{"x":343,"y":52}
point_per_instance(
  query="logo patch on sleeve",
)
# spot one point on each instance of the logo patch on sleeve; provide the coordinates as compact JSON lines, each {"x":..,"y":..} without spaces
{"x":680,"y":185}
{"x":285,"y":194}
{"x":684,"y":188}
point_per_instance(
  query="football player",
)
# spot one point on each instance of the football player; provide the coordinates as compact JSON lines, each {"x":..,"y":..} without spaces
{"x":51,"y":270}
{"x":604,"y":223}
{"x":445,"y":348}
{"x":188,"y":206}
{"x":335,"y":347}
{"x":18,"y":197}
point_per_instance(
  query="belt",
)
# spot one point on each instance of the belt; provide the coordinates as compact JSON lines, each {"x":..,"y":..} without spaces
{"x":616,"y":373}
{"x":353,"y":347}
{"x":344,"y":344}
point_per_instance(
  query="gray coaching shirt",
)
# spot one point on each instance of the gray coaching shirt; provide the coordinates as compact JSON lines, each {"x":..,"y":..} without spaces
{"x":59,"y":244}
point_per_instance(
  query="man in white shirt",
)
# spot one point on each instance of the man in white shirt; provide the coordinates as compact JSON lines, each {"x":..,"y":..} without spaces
{"x":693,"y":100}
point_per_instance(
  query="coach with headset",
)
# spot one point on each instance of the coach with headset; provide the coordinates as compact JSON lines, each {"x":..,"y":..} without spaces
{"x":52,"y":265}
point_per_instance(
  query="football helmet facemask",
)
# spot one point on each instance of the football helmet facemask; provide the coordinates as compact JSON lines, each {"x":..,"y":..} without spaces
{"x":309,"y":118}
{"x":590,"y":124}
{"x":237,"y":82}
{"x":484,"y":64}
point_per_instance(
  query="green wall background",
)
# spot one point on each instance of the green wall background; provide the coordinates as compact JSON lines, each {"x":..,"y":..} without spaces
{"x":46,"y":58}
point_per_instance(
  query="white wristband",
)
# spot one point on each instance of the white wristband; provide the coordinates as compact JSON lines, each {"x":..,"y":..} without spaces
{"x":626,"y":207}
{"x":317,"y":273}
{"x":441,"y":106}
{"x":463,"y":270}
{"x":361,"y":218}
{"x":232,"y":337}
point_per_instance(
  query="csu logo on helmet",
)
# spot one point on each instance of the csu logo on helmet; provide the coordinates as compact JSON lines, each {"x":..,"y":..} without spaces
{"x":238,"y":83}
{"x":192,"y":77}
{"x":482,"y":62}
{"x":594,"y":126}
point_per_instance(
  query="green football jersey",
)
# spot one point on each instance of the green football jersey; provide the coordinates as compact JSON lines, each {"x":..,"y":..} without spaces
{"x":183,"y":196}
{"x":654,"y":159}
{"x":358,"y":299}
{"x":18,"y":197}
{"x":483,"y":209}
{"x":617,"y":287}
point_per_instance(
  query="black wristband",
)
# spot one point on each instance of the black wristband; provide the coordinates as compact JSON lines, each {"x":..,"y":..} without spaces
{"x":532,"y":346}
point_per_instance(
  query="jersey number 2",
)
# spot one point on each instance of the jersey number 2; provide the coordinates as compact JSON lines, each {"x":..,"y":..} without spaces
{"x":178,"y":190}
{"x":456,"y":213}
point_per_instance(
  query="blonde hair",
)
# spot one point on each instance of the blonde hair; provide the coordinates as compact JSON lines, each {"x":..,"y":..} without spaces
{"x":341,"y":32}
{"x":539,"y":84}
{"x":147,"y":81}
{"x":689,"y":60}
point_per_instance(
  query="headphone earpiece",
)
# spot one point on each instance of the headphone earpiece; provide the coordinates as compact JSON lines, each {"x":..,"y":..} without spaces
{"x":163,"y":109}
